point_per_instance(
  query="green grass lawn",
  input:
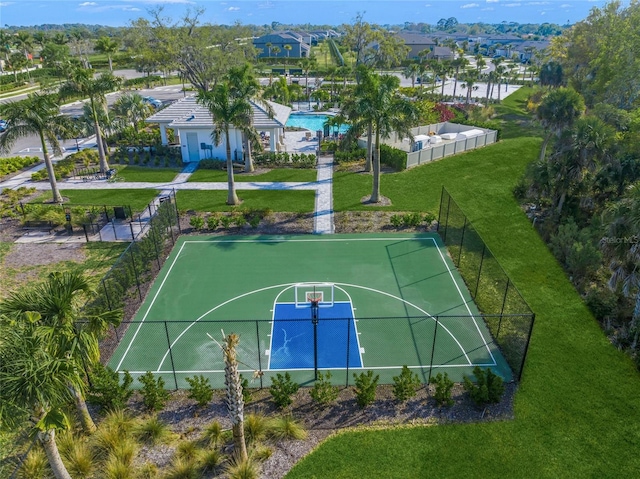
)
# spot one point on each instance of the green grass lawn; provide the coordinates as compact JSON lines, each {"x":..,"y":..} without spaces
{"x":137,"y":199}
{"x":143,"y":173}
{"x":275,"y":200}
{"x":277,"y":174}
{"x":577,"y":409}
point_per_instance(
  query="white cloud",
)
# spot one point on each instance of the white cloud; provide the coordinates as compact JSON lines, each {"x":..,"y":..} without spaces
{"x":88,"y":4}
{"x":512,"y":4}
{"x":537,"y":3}
{"x":5,"y":4}
{"x":488,"y":9}
{"x":131,"y":9}
{"x":233,"y":9}
{"x":266,"y":4}
{"x":493,"y":1}
{"x":470,"y":5}
{"x":565,"y":5}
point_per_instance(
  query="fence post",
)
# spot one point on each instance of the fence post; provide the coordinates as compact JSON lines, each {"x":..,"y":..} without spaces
{"x":440,"y":209}
{"x":131,"y":228}
{"x":348,"y":349}
{"x":259,"y":357}
{"x":175,"y":202}
{"x":154,"y":238}
{"x":464,"y":228}
{"x":484,"y":248}
{"x":84,"y":227}
{"x":433,"y":350}
{"x":135,"y":272}
{"x":444,"y":237}
{"x":504,"y":301}
{"x":526,"y":347}
{"x":106,"y":213}
{"x":106,"y":294}
{"x":173,"y":367}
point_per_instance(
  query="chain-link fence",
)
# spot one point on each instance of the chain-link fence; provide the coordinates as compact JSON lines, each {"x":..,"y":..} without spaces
{"x":428,"y":345}
{"x":505,"y":312}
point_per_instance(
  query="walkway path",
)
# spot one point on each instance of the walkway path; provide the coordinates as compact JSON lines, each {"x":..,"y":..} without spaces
{"x":323,"y":214}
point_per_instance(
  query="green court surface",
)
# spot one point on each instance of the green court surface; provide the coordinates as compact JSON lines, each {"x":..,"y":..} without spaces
{"x":397,"y":300}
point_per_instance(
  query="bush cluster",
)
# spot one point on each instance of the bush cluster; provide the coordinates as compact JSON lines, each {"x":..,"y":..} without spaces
{"x":487,"y":389}
{"x":240,"y":218}
{"x":10,"y":201}
{"x":64,"y":168}
{"x":393,"y":157}
{"x":411,"y":220}
{"x":285,"y":160}
{"x":16,"y":163}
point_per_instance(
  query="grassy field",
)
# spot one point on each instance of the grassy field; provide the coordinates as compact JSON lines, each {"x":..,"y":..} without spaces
{"x":277,"y":174}
{"x":143,"y":173}
{"x":137,"y":199}
{"x":577,"y":408}
{"x":275,"y":200}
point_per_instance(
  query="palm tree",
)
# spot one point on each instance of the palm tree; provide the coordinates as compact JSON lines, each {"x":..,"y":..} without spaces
{"x":288,"y":49}
{"x":108,"y":46}
{"x":58,"y":302}
{"x":235,"y":400}
{"x":226,"y":111}
{"x":458,"y":63}
{"x":308,"y":63}
{"x":269,"y":45}
{"x":623,"y":221}
{"x":37,"y":115}
{"x":244,"y":87}
{"x":35,"y":380}
{"x":5,"y":44}
{"x":480,"y":62}
{"x":412,"y":71}
{"x":469,"y":78}
{"x":24,"y":43}
{"x":386,"y":111}
{"x":83,"y":83}
{"x":558,"y":110}
{"x":131,"y":109}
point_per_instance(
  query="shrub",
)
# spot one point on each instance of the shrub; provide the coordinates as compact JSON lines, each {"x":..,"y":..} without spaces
{"x":200,"y":390}
{"x":212,"y":434}
{"x":444,"y":385}
{"x":152,"y":430}
{"x":323,"y":392}
{"x":196,"y":222}
{"x":396,"y":221}
{"x":255,"y":427}
{"x":225,"y":221}
{"x":488,"y":388}
{"x":106,"y":390}
{"x":154,"y":395}
{"x":412,"y":219}
{"x":286,"y":427}
{"x":246,"y":392}
{"x":282,"y":388}
{"x":365,"y":388}
{"x":406,"y":384}
{"x":213,"y":221}
{"x":393,"y":157}
{"x":16,"y":163}
{"x":211,"y":164}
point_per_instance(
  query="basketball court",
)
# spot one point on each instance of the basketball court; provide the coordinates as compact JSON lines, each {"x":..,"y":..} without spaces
{"x":339,"y":303}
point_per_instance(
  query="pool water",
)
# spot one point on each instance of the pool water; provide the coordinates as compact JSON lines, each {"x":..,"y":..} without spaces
{"x":311,"y":122}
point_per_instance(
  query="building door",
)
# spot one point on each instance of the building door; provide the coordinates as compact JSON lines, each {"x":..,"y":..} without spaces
{"x":193,"y":146}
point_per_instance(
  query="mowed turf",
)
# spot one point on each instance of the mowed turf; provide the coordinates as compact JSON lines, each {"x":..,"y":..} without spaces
{"x":577,"y":409}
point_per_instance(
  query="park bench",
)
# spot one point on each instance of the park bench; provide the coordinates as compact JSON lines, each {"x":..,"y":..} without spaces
{"x":39,"y":225}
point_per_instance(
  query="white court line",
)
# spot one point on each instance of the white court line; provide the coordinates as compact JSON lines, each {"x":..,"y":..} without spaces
{"x":149,"y":308}
{"x":466,"y":305}
{"x":284,"y":240}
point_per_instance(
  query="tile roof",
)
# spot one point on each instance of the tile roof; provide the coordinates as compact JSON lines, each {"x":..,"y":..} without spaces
{"x":187,"y":112}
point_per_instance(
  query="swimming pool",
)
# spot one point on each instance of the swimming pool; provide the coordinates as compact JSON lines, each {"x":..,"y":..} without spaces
{"x":311,"y":122}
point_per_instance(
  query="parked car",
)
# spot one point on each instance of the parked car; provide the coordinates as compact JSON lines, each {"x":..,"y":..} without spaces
{"x":152,"y":101}
{"x":3,"y":125}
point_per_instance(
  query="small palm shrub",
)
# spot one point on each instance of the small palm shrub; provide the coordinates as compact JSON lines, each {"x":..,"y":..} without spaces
{"x":406,"y":384}
{"x":212,"y":434}
{"x":154,"y":395}
{"x":200,"y":390}
{"x":282,"y":388}
{"x":237,"y":469}
{"x":323,"y":392}
{"x":35,"y":465}
{"x":286,"y":427}
{"x":255,"y":427}
{"x":444,"y":385}
{"x":152,"y":431}
{"x":488,"y":388}
{"x":187,"y":451}
{"x":365,"y":388}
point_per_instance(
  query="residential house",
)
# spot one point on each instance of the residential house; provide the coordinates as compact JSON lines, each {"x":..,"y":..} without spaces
{"x":419,"y":42}
{"x":192,"y":124}
{"x":266,"y":43}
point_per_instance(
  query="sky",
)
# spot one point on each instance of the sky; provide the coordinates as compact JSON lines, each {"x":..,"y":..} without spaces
{"x":315,"y":12}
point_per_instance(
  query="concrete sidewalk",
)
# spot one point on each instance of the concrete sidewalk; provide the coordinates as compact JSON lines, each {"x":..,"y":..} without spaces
{"x":323,"y":214}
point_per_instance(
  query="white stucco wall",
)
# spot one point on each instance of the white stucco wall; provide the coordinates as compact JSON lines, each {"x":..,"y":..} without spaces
{"x":217,"y":152}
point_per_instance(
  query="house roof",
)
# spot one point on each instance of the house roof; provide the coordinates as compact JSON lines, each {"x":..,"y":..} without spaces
{"x":188,"y":113}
